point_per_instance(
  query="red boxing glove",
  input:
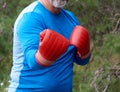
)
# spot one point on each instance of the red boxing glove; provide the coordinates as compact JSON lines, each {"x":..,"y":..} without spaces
{"x":81,"y":40}
{"x":52,"y":46}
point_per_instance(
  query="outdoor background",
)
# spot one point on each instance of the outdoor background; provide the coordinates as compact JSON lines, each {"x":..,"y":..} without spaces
{"x":100,"y":17}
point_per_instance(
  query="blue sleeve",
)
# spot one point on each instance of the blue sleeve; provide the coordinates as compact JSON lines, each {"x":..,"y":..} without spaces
{"x":80,"y":61}
{"x":28,"y":30}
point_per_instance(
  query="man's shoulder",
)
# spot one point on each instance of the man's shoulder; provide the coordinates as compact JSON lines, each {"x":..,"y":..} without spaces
{"x":71,"y":15}
{"x":33,"y":7}
{"x":67,"y":11}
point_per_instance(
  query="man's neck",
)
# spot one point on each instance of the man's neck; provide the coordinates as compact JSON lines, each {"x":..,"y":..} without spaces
{"x":48,"y":6}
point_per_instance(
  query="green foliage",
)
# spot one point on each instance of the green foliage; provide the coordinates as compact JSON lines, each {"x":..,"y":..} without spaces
{"x":8,"y":14}
{"x":99,"y":71}
{"x":101,"y":17}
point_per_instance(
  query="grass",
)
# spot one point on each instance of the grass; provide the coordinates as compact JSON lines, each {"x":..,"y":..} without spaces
{"x":103,"y":59}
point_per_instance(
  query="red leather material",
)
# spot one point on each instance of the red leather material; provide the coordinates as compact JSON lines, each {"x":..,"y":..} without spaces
{"x":52,"y":46}
{"x":81,"y":40}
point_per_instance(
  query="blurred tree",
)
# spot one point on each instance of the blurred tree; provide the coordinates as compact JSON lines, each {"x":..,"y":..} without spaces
{"x":8,"y":13}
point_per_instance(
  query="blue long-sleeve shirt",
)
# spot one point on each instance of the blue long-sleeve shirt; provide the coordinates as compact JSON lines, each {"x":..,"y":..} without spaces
{"x":26,"y":74}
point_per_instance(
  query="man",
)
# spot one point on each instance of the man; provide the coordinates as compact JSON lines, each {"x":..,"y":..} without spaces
{"x":47,"y":41}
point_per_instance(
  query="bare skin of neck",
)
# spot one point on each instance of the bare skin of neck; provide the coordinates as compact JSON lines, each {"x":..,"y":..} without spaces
{"x":48,"y":6}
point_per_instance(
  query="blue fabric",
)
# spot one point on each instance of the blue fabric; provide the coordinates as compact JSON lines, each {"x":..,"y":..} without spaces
{"x":26,"y":74}
{"x":82,"y":62}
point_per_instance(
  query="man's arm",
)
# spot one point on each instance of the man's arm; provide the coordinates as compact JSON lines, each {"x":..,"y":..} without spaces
{"x":81,"y":40}
{"x":28,"y":29}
